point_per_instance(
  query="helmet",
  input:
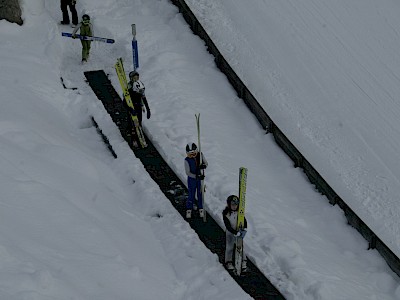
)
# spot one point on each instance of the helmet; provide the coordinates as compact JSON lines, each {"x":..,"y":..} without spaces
{"x":138,"y":87}
{"x":191,"y":148}
{"x":133,"y":74}
{"x":232,"y":199}
{"x":85,"y":19}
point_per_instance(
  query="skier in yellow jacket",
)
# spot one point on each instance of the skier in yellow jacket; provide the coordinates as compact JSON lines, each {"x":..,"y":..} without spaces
{"x":86,"y":29}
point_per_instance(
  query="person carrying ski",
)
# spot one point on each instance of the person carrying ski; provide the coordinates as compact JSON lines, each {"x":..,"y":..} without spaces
{"x":193,"y":171}
{"x":137,"y":92}
{"x":64,"y":9}
{"x":86,"y":29}
{"x":230,"y":215}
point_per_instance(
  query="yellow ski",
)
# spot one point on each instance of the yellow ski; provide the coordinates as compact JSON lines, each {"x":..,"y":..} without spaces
{"x":238,"y":252}
{"x":242,"y":197}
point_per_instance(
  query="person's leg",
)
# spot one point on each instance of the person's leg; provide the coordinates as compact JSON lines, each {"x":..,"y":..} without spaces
{"x":139,"y":114}
{"x":88,"y":44}
{"x":199,"y":194}
{"x":244,"y":261}
{"x":191,"y":193}
{"x":74,"y":14}
{"x":85,"y":50}
{"x":64,"y":10}
{"x":230,"y":243}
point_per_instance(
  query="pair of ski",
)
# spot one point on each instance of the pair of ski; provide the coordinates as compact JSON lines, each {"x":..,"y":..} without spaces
{"x":238,"y":251}
{"x":138,"y":137}
{"x":89,"y":38}
{"x":202,"y":186}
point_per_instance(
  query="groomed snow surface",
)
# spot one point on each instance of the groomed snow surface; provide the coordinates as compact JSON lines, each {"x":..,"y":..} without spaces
{"x":75,"y":223}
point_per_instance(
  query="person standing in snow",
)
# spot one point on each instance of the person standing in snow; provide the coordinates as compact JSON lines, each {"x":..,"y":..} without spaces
{"x":64,"y":9}
{"x":137,"y":92}
{"x":193,"y":171}
{"x":86,"y":29}
{"x":230,"y":216}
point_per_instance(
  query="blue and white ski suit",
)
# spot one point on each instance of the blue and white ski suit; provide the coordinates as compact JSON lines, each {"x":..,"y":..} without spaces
{"x":192,"y":168}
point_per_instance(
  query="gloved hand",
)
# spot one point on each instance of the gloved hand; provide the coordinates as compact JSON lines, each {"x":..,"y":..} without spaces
{"x":203,"y":166}
{"x":132,"y":111}
{"x":200,"y":177}
{"x":241,"y":233}
{"x":74,"y":36}
{"x":148,"y":114}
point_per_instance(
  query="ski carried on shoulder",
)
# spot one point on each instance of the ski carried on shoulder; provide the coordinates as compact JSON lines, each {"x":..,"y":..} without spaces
{"x":238,"y":250}
{"x":89,"y":38}
{"x":202,"y":187}
{"x":137,"y":129}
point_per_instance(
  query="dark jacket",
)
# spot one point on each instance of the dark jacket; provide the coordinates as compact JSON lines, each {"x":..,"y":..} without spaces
{"x":230,"y":220}
{"x":138,"y":100}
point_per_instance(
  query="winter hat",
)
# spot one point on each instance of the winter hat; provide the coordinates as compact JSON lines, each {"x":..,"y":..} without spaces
{"x":132,"y":74}
{"x":232,"y":198}
{"x":85,"y":19}
{"x":191,"y":148}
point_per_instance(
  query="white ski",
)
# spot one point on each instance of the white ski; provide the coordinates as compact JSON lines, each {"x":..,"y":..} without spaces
{"x":201,"y":161}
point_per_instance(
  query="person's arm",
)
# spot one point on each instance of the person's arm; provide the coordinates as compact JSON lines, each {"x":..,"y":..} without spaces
{"x":146,"y":104}
{"x":204,"y":162}
{"x":76,"y":29}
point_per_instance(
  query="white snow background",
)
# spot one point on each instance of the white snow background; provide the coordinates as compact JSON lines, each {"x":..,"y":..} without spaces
{"x":75,"y":223}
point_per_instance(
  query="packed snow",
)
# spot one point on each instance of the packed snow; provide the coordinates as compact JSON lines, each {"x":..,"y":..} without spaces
{"x":78,"y":224}
{"x":328,"y":73}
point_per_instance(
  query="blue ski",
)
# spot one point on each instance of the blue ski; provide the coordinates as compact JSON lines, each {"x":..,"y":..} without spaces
{"x":89,"y":38}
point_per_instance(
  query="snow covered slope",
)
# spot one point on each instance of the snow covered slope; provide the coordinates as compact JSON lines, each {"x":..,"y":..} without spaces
{"x":328,"y":74}
{"x":71,"y":216}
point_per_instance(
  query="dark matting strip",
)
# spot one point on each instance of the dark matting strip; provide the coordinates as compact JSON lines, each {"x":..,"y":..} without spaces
{"x":210,"y":233}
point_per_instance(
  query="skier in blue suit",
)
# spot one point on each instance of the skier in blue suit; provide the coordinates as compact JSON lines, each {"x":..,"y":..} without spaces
{"x":193,"y":171}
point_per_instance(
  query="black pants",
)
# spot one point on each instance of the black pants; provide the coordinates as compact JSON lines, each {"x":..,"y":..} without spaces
{"x":138,"y":110}
{"x":64,"y":8}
